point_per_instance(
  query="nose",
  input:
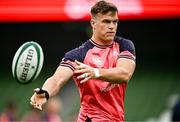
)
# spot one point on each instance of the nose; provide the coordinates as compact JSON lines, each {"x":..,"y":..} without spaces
{"x":111,"y":25}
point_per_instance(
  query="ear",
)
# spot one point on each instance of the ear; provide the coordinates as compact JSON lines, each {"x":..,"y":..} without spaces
{"x":92,"y":22}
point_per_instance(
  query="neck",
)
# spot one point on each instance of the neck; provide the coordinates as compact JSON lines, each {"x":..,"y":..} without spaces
{"x":101,"y":41}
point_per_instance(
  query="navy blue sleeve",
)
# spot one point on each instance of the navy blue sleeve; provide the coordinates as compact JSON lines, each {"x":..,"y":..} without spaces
{"x":75,"y":54}
{"x":127,"y":48}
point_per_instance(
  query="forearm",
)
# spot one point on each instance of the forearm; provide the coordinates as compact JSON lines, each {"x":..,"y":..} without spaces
{"x":115,"y":75}
{"x":121,"y":73}
{"x":52,"y":85}
{"x":56,"y":81}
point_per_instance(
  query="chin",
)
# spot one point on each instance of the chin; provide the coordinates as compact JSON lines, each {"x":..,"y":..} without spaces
{"x":110,"y":38}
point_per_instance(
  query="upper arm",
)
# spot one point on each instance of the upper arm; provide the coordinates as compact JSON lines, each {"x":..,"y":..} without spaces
{"x":127,"y":64}
{"x":66,"y":67}
{"x":127,"y":56}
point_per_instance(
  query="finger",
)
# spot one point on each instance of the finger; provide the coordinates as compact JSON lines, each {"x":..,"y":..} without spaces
{"x":39,"y":107}
{"x":32,"y":98}
{"x":80,"y":63}
{"x":32,"y":103}
{"x":79,"y":67}
{"x":80,"y":71}
{"x":80,"y":77}
{"x":82,"y":68}
{"x":77,"y":62}
{"x":84,"y":80}
{"x":85,"y":75}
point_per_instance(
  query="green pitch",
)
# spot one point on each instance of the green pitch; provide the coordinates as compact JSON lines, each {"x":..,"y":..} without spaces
{"x":146,"y":97}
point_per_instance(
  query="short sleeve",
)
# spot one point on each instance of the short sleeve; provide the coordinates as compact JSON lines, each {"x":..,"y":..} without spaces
{"x":75,"y":54}
{"x":127,"y":48}
{"x":70,"y":57}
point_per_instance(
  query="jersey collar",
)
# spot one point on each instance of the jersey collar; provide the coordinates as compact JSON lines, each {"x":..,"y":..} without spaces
{"x":100,"y":46}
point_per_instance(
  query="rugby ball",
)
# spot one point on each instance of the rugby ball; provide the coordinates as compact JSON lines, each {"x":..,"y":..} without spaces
{"x":27,"y":62}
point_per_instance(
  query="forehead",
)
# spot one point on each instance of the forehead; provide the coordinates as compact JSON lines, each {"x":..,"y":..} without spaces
{"x":109,"y":15}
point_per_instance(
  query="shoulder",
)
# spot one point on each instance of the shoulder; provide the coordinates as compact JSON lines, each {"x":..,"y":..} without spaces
{"x":79,"y":52}
{"x":123,"y":41}
{"x":125,"y":44}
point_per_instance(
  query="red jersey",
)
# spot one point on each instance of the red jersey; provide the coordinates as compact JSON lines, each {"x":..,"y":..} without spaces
{"x":100,"y":100}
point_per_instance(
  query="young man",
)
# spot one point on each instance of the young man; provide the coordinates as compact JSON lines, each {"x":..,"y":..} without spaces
{"x":101,"y":68}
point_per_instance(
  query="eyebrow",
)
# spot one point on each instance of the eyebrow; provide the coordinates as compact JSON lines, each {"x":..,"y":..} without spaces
{"x":110,"y":20}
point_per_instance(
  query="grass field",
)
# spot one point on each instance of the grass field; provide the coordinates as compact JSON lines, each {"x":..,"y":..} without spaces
{"x":149,"y":91}
{"x":146,"y":97}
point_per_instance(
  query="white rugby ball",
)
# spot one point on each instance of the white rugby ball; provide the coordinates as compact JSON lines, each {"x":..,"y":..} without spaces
{"x":27,"y":62}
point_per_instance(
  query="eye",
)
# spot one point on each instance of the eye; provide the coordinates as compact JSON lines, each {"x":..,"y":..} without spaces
{"x":106,"y":21}
{"x":115,"y":21}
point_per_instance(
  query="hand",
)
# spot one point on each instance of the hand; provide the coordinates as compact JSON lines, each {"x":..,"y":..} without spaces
{"x":39,"y":98}
{"x":86,"y":72}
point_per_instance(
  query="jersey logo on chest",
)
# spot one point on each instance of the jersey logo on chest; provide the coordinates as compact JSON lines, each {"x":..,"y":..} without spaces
{"x":97,"y":61}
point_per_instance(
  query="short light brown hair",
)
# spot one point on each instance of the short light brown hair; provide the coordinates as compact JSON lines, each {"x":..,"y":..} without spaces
{"x":103,"y":7}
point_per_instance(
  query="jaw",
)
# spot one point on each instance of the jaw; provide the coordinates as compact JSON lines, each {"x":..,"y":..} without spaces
{"x":105,"y":38}
{"x":108,"y":37}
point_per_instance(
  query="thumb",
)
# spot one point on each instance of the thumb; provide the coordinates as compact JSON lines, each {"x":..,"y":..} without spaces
{"x":39,"y":107}
{"x":80,"y":63}
{"x":77,"y":62}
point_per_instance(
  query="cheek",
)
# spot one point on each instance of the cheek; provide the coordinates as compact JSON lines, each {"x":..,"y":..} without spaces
{"x":102,"y":29}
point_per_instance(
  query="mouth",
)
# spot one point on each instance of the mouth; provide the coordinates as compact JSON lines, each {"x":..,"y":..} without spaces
{"x":110,"y":33}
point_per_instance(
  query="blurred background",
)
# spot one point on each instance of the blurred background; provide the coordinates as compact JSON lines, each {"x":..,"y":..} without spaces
{"x":60,"y":25}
